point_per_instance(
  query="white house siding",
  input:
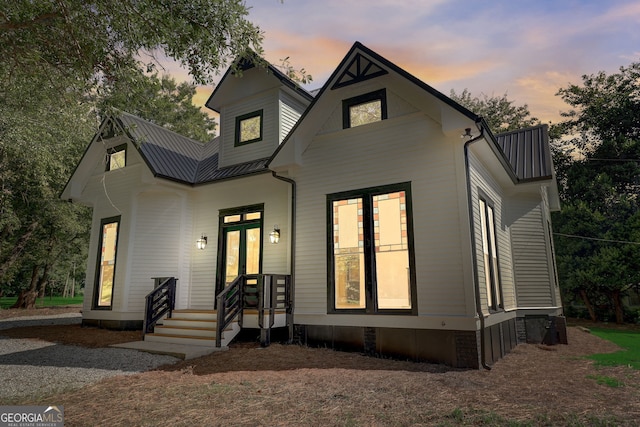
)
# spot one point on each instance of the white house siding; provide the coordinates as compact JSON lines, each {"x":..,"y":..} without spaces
{"x":481,"y":179}
{"x":110,"y":193}
{"x":290,"y":112}
{"x":530,"y":254}
{"x":158,"y":238}
{"x":231,"y":155}
{"x":405,"y":149}
{"x":209,"y":200}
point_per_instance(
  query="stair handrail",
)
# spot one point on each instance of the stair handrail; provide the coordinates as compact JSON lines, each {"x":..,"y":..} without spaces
{"x":274,"y":293}
{"x":229,"y":305}
{"x":160,"y":301}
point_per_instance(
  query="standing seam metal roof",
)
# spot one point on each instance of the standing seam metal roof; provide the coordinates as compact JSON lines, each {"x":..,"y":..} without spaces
{"x":176,"y":157}
{"x":528,"y":152}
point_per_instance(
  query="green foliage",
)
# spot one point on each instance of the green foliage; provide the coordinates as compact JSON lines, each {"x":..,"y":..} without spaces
{"x":160,"y":100}
{"x":498,"y":111}
{"x":95,"y":39}
{"x":599,"y":178}
{"x":629,"y":341}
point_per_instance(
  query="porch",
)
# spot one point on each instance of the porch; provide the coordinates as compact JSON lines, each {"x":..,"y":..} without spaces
{"x":251,"y":301}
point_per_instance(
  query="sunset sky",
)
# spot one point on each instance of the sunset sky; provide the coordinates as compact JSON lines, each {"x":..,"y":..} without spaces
{"x":526,"y":49}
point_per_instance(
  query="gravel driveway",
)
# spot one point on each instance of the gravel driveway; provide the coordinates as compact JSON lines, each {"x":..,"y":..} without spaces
{"x":30,"y":368}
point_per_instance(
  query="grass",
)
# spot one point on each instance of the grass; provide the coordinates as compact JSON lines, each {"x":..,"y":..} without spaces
{"x":629,"y":341}
{"x":606,"y":380}
{"x":6,"y":302}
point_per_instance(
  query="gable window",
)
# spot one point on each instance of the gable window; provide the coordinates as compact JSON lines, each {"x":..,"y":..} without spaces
{"x":248,"y":128}
{"x":117,"y":157}
{"x":364,"y":109}
{"x":371,"y":258}
{"x":106,"y":268}
{"x":490,"y":255}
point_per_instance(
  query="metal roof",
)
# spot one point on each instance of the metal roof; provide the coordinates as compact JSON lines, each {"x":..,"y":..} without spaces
{"x":176,"y":157}
{"x":528,"y":152}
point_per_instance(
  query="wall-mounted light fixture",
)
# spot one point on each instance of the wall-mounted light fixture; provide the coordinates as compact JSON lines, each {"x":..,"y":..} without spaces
{"x":274,"y":236}
{"x":201,"y":243}
{"x":467,"y":134}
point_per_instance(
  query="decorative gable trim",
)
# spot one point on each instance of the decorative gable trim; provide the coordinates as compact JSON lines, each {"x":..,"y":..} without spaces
{"x":359,"y":69}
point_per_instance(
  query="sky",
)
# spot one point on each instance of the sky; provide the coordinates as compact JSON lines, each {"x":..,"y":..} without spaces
{"x":525,"y":49}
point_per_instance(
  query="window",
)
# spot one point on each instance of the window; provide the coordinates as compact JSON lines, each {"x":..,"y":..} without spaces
{"x":106,"y":268}
{"x":364,"y":109}
{"x":490,"y":258}
{"x":371,"y":258}
{"x":240,"y":247}
{"x":117,"y":157}
{"x":248,"y":128}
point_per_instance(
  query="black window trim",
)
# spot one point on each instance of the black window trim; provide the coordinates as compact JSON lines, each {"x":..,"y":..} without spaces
{"x":240,"y":119}
{"x":96,"y":284}
{"x":380,"y":94}
{"x":113,"y":150}
{"x":494,"y":306}
{"x":371,"y":306}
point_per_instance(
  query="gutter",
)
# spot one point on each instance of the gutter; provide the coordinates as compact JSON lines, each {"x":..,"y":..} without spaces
{"x":474,"y":256}
{"x":293,"y":242}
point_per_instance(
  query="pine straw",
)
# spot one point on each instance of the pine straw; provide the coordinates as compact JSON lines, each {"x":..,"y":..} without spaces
{"x":293,"y":385}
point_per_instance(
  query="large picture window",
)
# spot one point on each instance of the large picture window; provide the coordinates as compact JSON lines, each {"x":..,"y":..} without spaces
{"x":106,"y":268}
{"x":490,"y":255}
{"x":371,"y":258}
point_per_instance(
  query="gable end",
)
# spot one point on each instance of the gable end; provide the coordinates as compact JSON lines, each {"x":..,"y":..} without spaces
{"x":359,"y":69}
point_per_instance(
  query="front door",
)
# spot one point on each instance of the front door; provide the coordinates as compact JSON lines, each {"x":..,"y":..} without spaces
{"x":241,"y":246}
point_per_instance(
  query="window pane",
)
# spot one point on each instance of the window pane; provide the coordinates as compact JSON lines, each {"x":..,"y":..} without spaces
{"x":253,"y":250}
{"x":249,"y":129}
{"x":367,"y":112}
{"x":494,"y":255}
{"x":252,"y":215}
{"x":485,"y":251}
{"x":232,"y":218}
{"x":391,"y":251}
{"x":107,"y":263}
{"x":348,"y":252}
{"x":232,"y":261}
{"x":117,"y":160}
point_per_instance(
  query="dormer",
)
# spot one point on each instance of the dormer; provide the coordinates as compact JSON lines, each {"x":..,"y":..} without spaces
{"x":258,"y":106}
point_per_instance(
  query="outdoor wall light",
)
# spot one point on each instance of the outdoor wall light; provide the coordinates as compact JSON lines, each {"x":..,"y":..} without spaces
{"x":274,"y":236}
{"x":201,"y":243}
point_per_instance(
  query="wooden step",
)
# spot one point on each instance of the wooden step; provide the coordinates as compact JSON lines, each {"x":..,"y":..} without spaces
{"x":181,"y":339}
{"x":194,"y":314}
{"x":189,"y":323}
{"x":188,"y":332}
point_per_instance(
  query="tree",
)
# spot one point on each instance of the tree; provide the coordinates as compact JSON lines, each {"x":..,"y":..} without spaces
{"x":600,"y":189}
{"x":498,"y":111}
{"x":91,"y":40}
{"x":39,"y":140}
{"x":160,"y":100}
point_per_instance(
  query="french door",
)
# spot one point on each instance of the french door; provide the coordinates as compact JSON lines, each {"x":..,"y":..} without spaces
{"x":241,"y":246}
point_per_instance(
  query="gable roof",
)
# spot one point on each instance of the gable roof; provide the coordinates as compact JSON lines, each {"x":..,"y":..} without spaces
{"x":247,"y":62}
{"x":354,"y":68}
{"x":528,"y":152}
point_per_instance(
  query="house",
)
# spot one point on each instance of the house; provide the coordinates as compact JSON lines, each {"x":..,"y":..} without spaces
{"x":376,"y":215}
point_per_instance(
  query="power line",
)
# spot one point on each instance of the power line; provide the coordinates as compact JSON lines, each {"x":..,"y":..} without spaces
{"x":597,"y":239}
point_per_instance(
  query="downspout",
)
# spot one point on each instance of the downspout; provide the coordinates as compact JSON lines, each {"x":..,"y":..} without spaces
{"x":474,"y":255}
{"x":293,"y":242}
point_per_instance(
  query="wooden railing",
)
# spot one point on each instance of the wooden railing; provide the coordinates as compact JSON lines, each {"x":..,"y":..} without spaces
{"x":159,"y":302}
{"x":229,"y":305}
{"x":266,"y":293}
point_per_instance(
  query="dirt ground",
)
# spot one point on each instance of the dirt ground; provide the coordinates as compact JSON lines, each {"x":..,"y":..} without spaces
{"x":289,"y":385}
